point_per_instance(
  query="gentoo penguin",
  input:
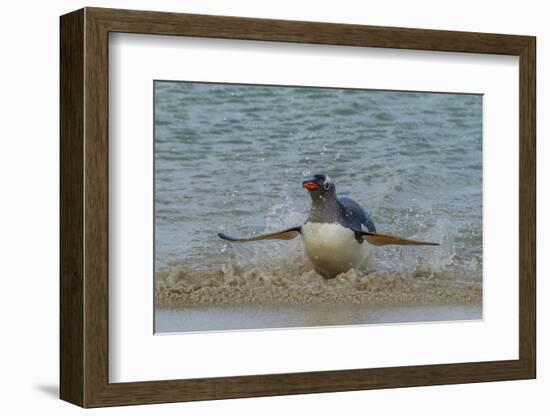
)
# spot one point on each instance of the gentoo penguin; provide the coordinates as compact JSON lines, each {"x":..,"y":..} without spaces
{"x":335,"y":231}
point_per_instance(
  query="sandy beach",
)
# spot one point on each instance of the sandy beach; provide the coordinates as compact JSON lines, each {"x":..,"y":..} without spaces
{"x":232,"y":298}
{"x":243,"y":317}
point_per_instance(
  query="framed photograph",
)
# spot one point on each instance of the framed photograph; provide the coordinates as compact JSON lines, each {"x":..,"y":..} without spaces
{"x":254,"y":207}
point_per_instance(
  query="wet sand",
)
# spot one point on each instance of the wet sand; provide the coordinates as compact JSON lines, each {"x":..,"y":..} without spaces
{"x":241,"y":317}
{"x":233,"y":298}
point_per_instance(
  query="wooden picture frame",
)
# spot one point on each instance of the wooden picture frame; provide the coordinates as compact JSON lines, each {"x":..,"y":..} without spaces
{"x":84,"y":207}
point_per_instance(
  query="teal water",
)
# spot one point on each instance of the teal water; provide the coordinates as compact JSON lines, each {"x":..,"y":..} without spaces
{"x":232,"y":158}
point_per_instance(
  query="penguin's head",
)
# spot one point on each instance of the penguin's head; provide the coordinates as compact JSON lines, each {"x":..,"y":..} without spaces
{"x":320,"y":185}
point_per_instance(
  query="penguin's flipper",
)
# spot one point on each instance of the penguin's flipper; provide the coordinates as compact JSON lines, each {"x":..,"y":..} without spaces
{"x":279,"y":235}
{"x":383,"y":240}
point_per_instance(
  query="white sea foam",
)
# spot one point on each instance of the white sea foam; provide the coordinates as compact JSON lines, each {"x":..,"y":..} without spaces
{"x":298,"y":283}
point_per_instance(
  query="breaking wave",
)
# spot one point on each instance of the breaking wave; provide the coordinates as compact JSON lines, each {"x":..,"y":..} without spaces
{"x":279,"y":273}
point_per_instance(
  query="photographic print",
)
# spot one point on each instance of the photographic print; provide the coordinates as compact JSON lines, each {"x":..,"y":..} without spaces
{"x":264,"y":188}
{"x":292,"y":206}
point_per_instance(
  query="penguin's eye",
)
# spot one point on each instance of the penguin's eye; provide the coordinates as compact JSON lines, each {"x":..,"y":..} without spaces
{"x":326,"y":186}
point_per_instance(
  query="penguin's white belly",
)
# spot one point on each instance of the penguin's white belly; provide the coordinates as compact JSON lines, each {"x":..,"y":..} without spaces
{"x":333,"y":248}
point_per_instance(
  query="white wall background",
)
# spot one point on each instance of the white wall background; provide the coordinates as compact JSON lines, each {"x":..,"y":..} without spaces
{"x":29,"y":85}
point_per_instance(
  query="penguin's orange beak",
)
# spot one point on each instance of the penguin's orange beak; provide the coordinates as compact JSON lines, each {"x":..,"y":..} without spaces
{"x":310,"y":185}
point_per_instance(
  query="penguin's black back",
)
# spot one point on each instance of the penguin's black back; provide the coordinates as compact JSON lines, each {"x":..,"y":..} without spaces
{"x":354,"y":215}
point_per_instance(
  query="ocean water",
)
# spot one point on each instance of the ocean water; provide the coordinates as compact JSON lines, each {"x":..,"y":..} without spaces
{"x":231,"y":158}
